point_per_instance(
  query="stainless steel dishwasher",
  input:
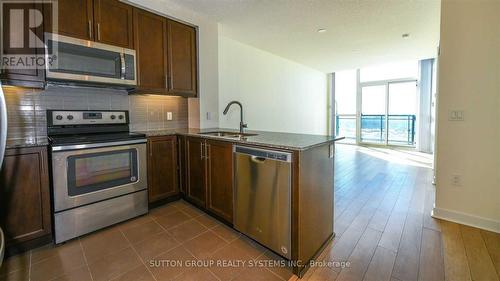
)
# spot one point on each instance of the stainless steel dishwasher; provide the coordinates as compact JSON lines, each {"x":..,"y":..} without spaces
{"x":262,"y":197}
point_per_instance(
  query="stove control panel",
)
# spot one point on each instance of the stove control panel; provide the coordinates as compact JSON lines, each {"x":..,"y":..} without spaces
{"x":66,"y":117}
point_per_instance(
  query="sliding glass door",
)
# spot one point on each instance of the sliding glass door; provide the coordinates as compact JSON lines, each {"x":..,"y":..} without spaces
{"x":377,"y":105}
{"x":388,"y":113}
{"x":373,"y":114}
{"x":402,"y":112}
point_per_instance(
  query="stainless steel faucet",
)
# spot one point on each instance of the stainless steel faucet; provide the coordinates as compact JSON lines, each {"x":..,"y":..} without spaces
{"x":242,"y":125}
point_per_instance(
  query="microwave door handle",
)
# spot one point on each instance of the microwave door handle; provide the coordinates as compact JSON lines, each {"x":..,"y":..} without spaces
{"x":123,"y":67}
{"x":3,"y":125}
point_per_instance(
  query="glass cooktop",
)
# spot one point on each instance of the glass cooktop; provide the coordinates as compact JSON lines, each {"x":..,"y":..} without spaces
{"x":93,"y":138}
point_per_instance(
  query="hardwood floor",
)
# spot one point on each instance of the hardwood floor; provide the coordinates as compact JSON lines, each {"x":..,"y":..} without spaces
{"x":382,"y":222}
{"x":383,"y":200}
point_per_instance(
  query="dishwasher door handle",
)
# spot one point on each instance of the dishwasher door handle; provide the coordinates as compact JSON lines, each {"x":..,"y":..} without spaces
{"x":257,"y":159}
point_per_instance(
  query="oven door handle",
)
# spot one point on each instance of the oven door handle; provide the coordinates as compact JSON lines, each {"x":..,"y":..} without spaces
{"x":96,"y":145}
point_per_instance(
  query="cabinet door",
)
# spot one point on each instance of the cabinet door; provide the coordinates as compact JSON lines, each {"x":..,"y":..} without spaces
{"x":220,"y":179}
{"x":29,"y":77}
{"x":182,"y":58}
{"x":150,"y":41}
{"x":195,"y":171}
{"x":162,"y":168}
{"x":181,"y":144}
{"x":75,"y":19}
{"x":113,"y":23}
{"x":25,"y":199}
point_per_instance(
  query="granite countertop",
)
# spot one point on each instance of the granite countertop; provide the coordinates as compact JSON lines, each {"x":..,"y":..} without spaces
{"x":27,"y":142}
{"x":263,"y":138}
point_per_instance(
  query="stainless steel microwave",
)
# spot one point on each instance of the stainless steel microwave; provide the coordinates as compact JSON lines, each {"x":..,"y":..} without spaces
{"x":72,"y":59}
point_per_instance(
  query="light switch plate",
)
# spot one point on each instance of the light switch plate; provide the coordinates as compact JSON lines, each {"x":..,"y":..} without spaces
{"x":169,"y":116}
{"x":456,"y":180}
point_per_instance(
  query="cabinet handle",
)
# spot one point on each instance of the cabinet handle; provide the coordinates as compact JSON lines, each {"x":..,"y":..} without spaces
{"x":98,"y":31}
{"x":201,"y":150}
{"x":207,"y":151}
{"x":90,"y":29}
{"x":166,"y":82}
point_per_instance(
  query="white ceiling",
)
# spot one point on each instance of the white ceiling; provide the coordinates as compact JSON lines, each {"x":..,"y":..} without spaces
{"x":359,"y":33}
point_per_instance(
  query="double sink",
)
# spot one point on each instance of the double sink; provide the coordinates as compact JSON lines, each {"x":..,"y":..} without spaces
{"x":229,"y":135}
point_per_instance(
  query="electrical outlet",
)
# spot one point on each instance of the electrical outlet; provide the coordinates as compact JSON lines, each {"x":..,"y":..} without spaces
{"x":456,"y":180}
{"x":169,"y":116}
{"x":456,"y":115}
{"x":209,"y":115}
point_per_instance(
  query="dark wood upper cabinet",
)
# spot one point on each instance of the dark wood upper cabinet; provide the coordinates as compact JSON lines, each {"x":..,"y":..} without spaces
{"x":182,"y":63}
{"x":76,"y":18}
{"x":150,"y":41}
{"x":195,"y":170}
{"x":25,"y":197}
{"x":113,"y":23}
{"x":220,"y":179}
{"x":162,"y":167}
{"x":33,"y":77}
{"x":106,"y":21}
{"x":166,"y":50}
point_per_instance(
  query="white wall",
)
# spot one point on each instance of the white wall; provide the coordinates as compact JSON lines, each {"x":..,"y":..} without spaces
{"x":469,"y":75}
{"x":207,"y":59}
{"x":277,"y":94}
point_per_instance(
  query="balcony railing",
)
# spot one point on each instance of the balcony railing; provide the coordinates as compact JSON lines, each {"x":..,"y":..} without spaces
{"x":401,"y":128}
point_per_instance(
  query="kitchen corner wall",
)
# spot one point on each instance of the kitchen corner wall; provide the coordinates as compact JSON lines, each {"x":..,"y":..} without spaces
{"x":277,"y":94}
{"x":27,"y":108}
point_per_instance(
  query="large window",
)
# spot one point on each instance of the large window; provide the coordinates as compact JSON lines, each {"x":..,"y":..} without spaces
{"x":390,"y":71}
{"x":378,"y":104}
{"x":345,"y":104}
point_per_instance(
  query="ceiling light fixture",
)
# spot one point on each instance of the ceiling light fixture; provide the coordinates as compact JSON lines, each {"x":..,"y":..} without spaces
{"x":321,"y":30}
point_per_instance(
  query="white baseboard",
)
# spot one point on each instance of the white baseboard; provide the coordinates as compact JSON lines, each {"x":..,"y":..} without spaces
{"x":463,"y":218}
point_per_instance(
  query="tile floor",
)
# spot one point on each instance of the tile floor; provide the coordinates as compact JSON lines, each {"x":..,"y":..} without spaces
{"x":140,"y":250}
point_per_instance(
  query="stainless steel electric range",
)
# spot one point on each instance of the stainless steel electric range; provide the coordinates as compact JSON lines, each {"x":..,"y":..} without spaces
{"x":99,"y":174}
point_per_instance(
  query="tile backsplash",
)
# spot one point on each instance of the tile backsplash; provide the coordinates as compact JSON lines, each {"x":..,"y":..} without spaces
{"x":149,"y":112}
{"x":27,"y":108}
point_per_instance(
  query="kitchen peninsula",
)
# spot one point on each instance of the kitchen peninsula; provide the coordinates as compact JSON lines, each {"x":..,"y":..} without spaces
{"x":208,"y":177}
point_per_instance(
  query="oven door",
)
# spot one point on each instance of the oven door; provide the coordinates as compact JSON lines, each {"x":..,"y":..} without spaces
{"x":89,"y":175}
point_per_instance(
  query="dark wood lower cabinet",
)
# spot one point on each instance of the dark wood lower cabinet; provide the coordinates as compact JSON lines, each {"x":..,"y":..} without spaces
{"x":181,"y":148}
{"x":208,"y":171}
{"x":25,"y":214}
{"x":195,"y":171}
{"x":220,"y":179}
{"x":162,"y":168}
